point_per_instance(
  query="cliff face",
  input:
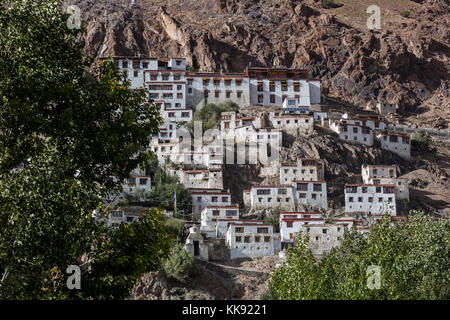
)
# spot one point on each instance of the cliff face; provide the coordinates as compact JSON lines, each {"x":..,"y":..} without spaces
{"x":405,"y":62}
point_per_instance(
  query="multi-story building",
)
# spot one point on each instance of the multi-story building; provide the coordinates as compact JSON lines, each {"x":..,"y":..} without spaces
{"x":305,"y":170}
{"x":352,"y":133}
{"x":399,"y":144}
{"x":374,"y":122}
{"x":376,"y":171}
{"x":311,"y":193}
{"x":385,"y":174}
{"x":368,"y":198}
{"x":230,"y":121}
{"x":204,"y":197}
{"x":201,"y":178}
{"x":211,"y":214}
{"x":261,"y":197}
{"x":250,"y":240}
{"x":291,"y":222}
{"x":271,"y":86}
{"x":204,"y":88}
{"x":169,"y":82}
{"x":223,"y":224}
{"x":323,"y":236}
{"x":292,"y":123}
{"x":210,"y":160}
{"x":135,"y":187}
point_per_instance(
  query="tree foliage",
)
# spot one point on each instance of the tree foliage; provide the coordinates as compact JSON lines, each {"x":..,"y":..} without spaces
{"x":414,"y":261}
{"x":162,"y":193}
{"x":178,"y":264}
{"x":210,"y":114}
{"x":274,"y":219}
{"x":421,"y":141}
{"x":70,"y":124}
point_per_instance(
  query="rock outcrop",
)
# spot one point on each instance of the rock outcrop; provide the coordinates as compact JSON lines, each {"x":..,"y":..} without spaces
{"x":405,"y":63}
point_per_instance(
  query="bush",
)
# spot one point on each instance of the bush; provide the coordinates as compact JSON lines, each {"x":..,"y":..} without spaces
{"x":421,"y":141}
{"x":175,"y":226}
{"x":405,"y":14}
{"x":162,"y":193}
{"x":328,"y":4}
{"x":210,"y":114}
{"x":413,"y":259}
{"x":274,"y":219}
{"x":179,"y":264}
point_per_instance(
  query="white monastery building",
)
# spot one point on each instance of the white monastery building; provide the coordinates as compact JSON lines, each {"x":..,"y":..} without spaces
{"x":368,"y":198}
{"x":399,"y":144}
{"x":305,"y":170}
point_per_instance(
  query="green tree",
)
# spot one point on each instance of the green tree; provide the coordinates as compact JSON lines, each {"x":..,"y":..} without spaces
{"x":162,"y":193}
{"x":274,"y":219}
{"x":210,"y":114}
{"x":178,"y":264}
{"x":421,"y":141}
{"x":414,"y":260}
{"x":71,"y":123}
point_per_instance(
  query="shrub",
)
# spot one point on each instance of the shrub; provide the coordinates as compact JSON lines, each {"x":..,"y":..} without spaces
{"x":274,"y":219}
{"x":405,"y":14}
{"x":327,"y":4}
{"x":179,"y":264}
{"x":421,"y":141}
{"x":175,"y":226}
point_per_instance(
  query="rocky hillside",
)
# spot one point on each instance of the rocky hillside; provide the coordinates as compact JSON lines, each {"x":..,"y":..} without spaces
{"x":405,"y":62}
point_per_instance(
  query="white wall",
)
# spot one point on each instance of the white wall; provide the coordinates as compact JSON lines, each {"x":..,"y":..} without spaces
{"x":259,"y":244}
{"x":374,"y":199}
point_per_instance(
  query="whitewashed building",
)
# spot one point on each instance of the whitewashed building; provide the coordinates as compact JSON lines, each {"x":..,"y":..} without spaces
{"x":204,"y":197}
{"x":323,"y":236}
{"x":204,"y":88}
{"x":385,"y":108}
{"x":399,"y":144}
{"x":312,"y":193}
{"x":386,"y":174}
{"x":223,"y":224}
{"x":211,"y":214}
{"x":376,"y":171}
{"x":261,"y":197}
{"x":211,"y":160}
{"x":374,"y":122}
{"x":292,"y":123}
{"x":352,"y":133}
{"x":250,"y":240}
{"x":374,"y":199}
{"x":305,"y":170}
{"x":291,"y":222}
{"x":203,"y":178}
{"x":168,"y":80}
{"x":271,"y":86}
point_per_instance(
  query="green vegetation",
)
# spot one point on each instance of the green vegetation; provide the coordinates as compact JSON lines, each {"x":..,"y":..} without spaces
{"x":71,"y":123}
{"x":421,"y":141}
{"x":178,"y":264}
{"x":210,"y":114}
{"x":414,"y":261}
{"x":274,"y":219}
{"x":405,"y":14}
{"x":328,"y":4}
{"x":162,"y":193}
{"x":175,"y":226}
{"x":355,"y":91}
